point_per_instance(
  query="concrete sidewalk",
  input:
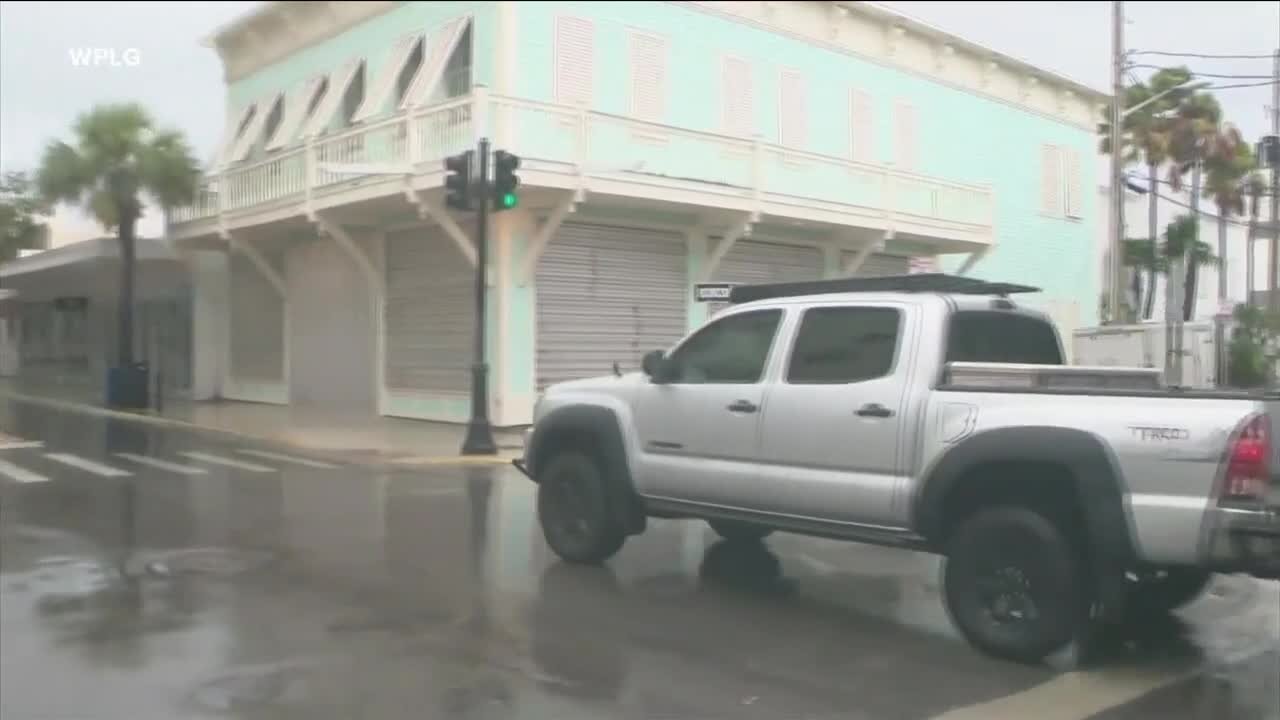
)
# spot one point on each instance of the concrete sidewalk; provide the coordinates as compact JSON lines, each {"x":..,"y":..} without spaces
{"x":376,"y":439}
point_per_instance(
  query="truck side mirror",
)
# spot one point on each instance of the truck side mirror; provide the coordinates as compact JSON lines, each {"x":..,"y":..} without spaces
{"x":655,"y":365}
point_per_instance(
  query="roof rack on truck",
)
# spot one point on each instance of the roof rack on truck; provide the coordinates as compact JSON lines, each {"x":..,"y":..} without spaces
{"x":922,"y":283}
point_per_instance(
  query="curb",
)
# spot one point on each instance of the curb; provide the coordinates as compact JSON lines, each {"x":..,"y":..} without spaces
{"x":148,"y":417}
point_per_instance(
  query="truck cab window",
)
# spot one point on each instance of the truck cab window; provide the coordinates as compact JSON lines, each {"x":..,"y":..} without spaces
{"x":1002,"y":337}
{"x":731,"y":350}
{"x":837,"y":345}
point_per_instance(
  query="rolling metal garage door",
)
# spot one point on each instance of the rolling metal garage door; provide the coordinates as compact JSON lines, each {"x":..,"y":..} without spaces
{"x":751,"y":262}
{"x":607,"y":294}
{"x":881,"y":265}
{"x":257,"y":321}
{"x":430,"y":312}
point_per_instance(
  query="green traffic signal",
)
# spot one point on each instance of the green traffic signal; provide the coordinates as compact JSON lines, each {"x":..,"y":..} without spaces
{"x":505,"y":180}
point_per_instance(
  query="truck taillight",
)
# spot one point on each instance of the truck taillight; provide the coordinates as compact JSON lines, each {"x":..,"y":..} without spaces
{"x":1248,"y":466}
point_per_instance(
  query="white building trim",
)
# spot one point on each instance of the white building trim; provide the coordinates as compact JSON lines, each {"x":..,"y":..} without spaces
{"x":869,"y":32}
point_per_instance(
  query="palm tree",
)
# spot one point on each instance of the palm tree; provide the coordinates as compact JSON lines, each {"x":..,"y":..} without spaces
{"x":1147,"y":139}
{"x":1182,"y":244}
{"x":1138,"y":254}
{"x":21,"y":216}
{"x":1228,"y":162}
{"x":1192,"y":131}
{"x":118,"y":159}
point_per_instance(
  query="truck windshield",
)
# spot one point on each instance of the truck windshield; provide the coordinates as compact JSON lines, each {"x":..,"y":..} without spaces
{"x":1001,"y":337}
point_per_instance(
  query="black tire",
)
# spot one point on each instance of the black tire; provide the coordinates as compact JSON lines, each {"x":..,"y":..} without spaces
{"x":1167,"y":590}
{"x":1014,"y":584}
{"x":734,"y":531}
{"x":573,"y":510}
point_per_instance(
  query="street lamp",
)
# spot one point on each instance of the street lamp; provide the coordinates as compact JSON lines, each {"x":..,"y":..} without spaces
{"x":1191,"y":85}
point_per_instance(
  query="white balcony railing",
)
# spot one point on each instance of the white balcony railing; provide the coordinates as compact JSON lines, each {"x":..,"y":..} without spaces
{"x":585,"y":144}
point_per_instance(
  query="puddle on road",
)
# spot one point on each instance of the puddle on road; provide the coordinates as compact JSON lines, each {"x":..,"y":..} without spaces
{"x":207,"y":561}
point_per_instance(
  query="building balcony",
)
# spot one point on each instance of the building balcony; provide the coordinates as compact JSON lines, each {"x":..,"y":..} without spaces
{"x":593,"y":153}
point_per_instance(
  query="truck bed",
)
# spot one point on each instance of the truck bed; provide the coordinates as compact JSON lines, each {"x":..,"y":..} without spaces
{"x":1080,"y":380}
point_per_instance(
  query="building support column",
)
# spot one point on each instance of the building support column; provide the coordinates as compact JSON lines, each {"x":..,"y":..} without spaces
{"x":738,"y":229}
{"x":546,"y":230}
{"x":513,"y":324}
{"x":851,"y":266}
{"x":210,"y":320}
{"x":276,"y":280}
{"x":974,"y":258}
{"x":428,"y":210}
{"x":377,"y":285}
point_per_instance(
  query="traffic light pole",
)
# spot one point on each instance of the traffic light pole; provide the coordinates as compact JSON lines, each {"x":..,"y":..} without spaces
{"x":479,"y":440}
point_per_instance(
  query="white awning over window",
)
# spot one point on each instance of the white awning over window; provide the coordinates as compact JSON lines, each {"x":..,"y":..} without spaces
{"x":440,"y":44}
{"x":235,"y":121}
{"x":339,"y":81}
{"x":295,"y":111}
{"x":252,"y":131}
{"x":376,"y":99}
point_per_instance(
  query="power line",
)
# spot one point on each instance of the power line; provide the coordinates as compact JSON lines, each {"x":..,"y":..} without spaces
{"x":1229,"y":76}
{"x":1243,"y":85}
{"x":1205,"y":56}
{"x":1203,"y":213}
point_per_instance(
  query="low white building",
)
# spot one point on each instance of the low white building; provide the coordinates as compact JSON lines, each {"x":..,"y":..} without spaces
{"x":1143,"y":344}
{"x":1170,"y":205}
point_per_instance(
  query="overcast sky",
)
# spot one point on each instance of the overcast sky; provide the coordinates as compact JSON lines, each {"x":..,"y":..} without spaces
{"x":160,"y":62}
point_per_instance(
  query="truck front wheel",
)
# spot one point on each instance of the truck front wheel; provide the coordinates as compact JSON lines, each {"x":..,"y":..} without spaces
{"x":573,"y":510}
{"x":1013,"y":584}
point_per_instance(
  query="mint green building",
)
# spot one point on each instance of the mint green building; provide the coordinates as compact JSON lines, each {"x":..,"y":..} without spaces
{"x":662,"y":144}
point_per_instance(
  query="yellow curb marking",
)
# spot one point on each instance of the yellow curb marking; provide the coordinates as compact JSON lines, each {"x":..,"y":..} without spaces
{"x":1073,"y":695}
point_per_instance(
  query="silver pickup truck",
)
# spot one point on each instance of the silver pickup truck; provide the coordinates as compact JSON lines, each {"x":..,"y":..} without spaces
{"x":927,"y":412}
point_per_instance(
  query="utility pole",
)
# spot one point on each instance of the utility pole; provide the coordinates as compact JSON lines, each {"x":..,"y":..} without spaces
{"x":1220,"y":316}
{"x":1177,"y":310}
{"x":1272,"y":270}
{"x":479,"y":439}
{"x":1115,"y":225}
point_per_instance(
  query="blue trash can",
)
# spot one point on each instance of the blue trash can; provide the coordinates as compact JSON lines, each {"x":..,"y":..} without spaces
{"x":127,"y":387}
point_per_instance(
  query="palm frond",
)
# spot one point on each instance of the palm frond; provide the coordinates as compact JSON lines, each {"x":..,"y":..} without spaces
{"x":168,"y":169}
{"x":64,"y":175}
{"x":117,"y":157}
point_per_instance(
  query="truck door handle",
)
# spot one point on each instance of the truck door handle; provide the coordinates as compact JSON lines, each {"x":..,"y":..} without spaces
{"x":873,"y":410}
{"x":743,"y":406}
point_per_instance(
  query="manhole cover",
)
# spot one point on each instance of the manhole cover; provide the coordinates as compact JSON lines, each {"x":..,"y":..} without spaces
{"x":249,"y":686}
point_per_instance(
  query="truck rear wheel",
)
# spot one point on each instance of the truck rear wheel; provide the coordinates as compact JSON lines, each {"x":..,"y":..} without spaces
{"x":734,"y":531}
{"x":573,"y":510}
{"x":1013,"y":584}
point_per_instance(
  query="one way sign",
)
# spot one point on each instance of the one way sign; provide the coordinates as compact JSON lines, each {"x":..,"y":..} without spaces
{"x":712,"y":292}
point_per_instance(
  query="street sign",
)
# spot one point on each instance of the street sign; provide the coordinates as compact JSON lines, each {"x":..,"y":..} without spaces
{"x":712,"y":292}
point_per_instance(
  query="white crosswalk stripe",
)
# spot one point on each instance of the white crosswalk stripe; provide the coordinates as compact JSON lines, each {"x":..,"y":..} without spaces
{"x":20,"y":444}
{"x":20,"y":474}
{"x":163,"y":464}
{"x":287,"y":459}
{"x":228,"y":462}
{"x":96,"y":468}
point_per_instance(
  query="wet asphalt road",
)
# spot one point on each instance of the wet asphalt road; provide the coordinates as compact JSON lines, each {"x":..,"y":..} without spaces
{"x":290,"y":586}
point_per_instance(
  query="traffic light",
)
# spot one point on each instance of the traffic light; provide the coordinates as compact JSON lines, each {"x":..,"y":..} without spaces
{"x":505,"y":181}
{"x":457,"y":180}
